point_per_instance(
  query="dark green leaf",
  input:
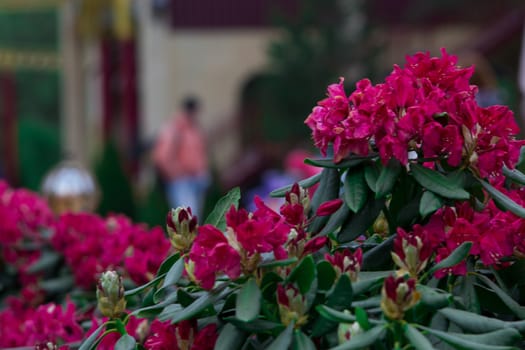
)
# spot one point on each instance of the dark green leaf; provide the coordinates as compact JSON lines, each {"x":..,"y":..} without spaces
{"x":387,"y":178}
{"x":469,"y":295}
{"x":471,"y":322}
{"x":360,"y":222}
{"x":461,"y":343}
{"x":155,"y":309}
{"x":256,"y":326}
{"x":341,"y":296}
{"x":418,"y":340}
{"x":355,"y":189}
{"x":304,"y":274}
{"x":502,"y":200}
{"x":363,"y":340}
{"x":284,"y":339}
{"x":505,"y":336}
{"x":47,"y":261}
{"x":514,"y":174}
{"x":217,"y":216}
{"x":248,"y":301}
{"x":230,"y":338}
{"x":458,"y":255}
{"x":344,"y":164}
{"x":371,"y":176}
{"x":379,"y":256}
{"x":434,"y":298}
{"x":306,"y":183}
{"x":91,"y":340}
{"x":201,"y":303}
{"x":516,"y":308}
{"x":58,"y":285}
{"x":437,"y":183}
{"x":144,"y":286}
{"x":362,"y":318}
{"x":335,"y":221}
{"x":340,"y":317}
{"x":168,"y":263}
{"x":328,"y":189}
{"x":325,"y":275}
{"x":126,"y":342}
{"x":430,"y":202}
{"x":302,"y":342}
{"x":172,"y":277}
{"x":277,"y":263}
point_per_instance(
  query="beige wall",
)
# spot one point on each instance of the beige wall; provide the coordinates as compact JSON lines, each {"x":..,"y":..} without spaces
{"x":211,"y":64}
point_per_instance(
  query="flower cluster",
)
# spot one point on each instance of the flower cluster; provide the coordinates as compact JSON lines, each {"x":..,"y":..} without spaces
{"x":92,"y":244}
{"x":427,"y":107}
{"x":183,"y":335}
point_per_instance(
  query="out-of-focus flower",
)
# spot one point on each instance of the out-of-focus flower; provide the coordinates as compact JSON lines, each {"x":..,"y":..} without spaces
{"x":292,"y":305}
{"x":397,"y":296}
{"x":182,"y":228}
{"x":110,"y":294}
{"x":347,"y":263}
{"x":411,"y":250}
{"x":181,"y":336}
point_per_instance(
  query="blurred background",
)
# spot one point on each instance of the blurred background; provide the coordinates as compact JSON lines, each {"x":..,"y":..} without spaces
{"x":96,"y":80}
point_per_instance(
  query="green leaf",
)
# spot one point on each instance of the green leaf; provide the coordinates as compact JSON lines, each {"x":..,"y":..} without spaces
{"x":362,"y":318}
{"x":255,"y":326}
{"x":461,"y":343}
{"x":248,"y":301}
{"x":360,"y":222}
{"x":217,"y":216}
{"x":341,"y":296}
{"x":437,"y":183}
{"x":379,"y":256}
{"x":168,"y":263}
{"x":458,"y":255}
{"x":230,"y":338}
{"x":284,"y":339}
{"x":325,"y":275}
{"x":126,"y":342}
{"x":47,"y":261}
{"x":335,"y":221}
{"x":502,"y":200}
{"x":468,"y":293}
{"x":172,"y":277}
{"x":371,"y":176}
{"x":328,"y":189}
{"x":514,"y":174}
{"x":304,"y":274}
{"x":339,"y":316}
{"x":471,"y":322}
{"x":434,"y":297}
{"x":418,"y":340}
{"x":344,"y":164}
{"x":363,"y":340}
{"x":92,"y":339}
{"x":201,"y":303}
{"x":57,"y":285}
{"x":505,"y":336}
{"x":430,"y":202}
{"x":387,"y":178}
{"x":302,"y":342}
{"x":144,"y":286}
{"x":306,"y":183}
{"x":155,"y":309}
{"x":355,"y":189}
{"x":516,"y":308}
{"x":278,"y":263}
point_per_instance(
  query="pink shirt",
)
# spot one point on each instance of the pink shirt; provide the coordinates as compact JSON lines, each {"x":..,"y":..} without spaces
{"x":181,"y":149}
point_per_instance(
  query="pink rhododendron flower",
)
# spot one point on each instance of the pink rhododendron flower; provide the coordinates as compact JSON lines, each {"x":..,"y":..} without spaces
{"x":346,"y":262}
{"x":329,"y":207}
{"x":181,"y":336}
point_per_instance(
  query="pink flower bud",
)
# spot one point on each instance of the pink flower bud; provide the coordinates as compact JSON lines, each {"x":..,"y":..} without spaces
{"x":398,"y":295}
{"x":329,"y":207}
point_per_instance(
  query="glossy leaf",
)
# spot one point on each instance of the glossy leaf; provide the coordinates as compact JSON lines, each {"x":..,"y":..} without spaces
{"x":255,"y":326}
{"x":371,"y":173}
{"x":197,"y":306}
{"x":516,"y":308}
{"x":434,"y":298}
{"x":360,"y":222}
{"x":284,"y":339}
{"x":172,"y":277}
{"x":277,"y":263}
{"x":339,"y":316}
{"x":379,"y":256}
{"x":217,"y":216}
{"x":355,"y":189}
{"x":302,"y":342}
{"x":328,"y":189}
{"x":344,"y":164}
{"x":248,"y":301}
{"x":458,"y":255}
{"x":167,"y":264}
{"x":230,"y":338}
{"x":306,"y":183}
{"x":304,"y":274}
{"x":461,"y":343}
{"x":144,"y":286}
{"x":505,"y":336}
{"x":125,"y":342}
{"x":362,"y":318}
{"x":430,"y":202}
{"x":387,"y":178}
{"x":514,"y":174}
{"x":417,"y":339}
{"x":325,"y":275}
{"x":92,"y":339}
{"x":502,"y":200}
{"x":335,"y":221}
{"x":363,"y":340}
{"x":341,"y":296}
{"x":437,"y":183}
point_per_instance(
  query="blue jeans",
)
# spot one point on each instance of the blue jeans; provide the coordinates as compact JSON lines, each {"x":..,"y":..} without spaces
{"x":188,"y":191}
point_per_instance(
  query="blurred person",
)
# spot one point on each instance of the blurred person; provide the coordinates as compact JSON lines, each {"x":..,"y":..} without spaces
{"x":180,"y":156}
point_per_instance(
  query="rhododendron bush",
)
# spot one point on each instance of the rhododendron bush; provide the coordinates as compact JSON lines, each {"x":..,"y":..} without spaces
{"x":413,"y":239}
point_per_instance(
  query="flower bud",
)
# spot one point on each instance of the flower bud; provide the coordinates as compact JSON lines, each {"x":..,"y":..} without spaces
{"x":411,"y":251}
{"x":329,"y":207}
{"x":182,"y":228}
{"x":110,"y":294}
{"x":346,"y":262}
{"x":397,"y":296}
{"x":292,"y":305}
{"x":296,"y":205}
{"x":346,"y":331}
